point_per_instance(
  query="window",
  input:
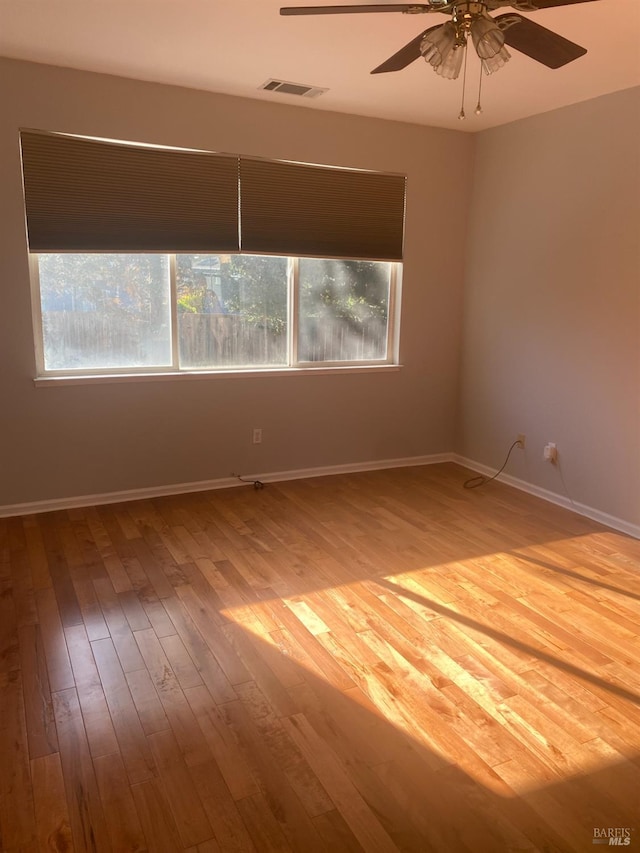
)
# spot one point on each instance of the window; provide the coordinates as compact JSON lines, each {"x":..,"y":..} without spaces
{"x":104,"y":312}
{"x":343,"y":310}
{"x":155,"y":259}
{"x":142,"y":313}
{"x":232,"y":311}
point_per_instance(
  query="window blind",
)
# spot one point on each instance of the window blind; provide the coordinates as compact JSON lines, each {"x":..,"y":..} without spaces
{"x":89,"y":195}
{"x":305,"y":210}
{"x":86,"y":195}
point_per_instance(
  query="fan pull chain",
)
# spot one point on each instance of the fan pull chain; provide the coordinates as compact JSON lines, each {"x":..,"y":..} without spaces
{"x":462,"y":116}
{"x":479,"y":105}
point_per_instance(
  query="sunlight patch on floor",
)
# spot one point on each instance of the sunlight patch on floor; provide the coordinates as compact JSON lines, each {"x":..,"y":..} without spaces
{"x":470,"y":659}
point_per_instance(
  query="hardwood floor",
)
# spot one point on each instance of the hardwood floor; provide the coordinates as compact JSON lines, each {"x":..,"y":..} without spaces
{"x":379,"y":661}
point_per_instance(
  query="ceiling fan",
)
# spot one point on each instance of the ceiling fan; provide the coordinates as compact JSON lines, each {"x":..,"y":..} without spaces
{"x":443,"y":46}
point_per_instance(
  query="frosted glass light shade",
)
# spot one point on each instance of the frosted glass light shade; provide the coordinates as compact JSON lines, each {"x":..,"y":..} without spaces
{"x":494,"y":63}
{"x":450,"y":68}
{"x":437,"y":44}
{"x":442,"y":50}
{"x":488,"y":38}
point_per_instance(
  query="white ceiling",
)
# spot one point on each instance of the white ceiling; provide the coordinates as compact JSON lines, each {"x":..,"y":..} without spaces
{"x":234,"y":46}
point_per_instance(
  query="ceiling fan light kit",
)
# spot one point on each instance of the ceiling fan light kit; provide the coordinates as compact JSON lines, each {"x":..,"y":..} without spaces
{"x":444,"y":46}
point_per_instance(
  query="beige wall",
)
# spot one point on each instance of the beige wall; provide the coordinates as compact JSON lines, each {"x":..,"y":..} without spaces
{"x":551,"y":323}
{"x":92,"y":439}
{"x":551,"y":335}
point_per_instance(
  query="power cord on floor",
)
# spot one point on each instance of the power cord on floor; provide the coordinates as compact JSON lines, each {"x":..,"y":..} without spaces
{"x":257,"y":484}
{"x":564,"y":486}
{"x":481,"y":480}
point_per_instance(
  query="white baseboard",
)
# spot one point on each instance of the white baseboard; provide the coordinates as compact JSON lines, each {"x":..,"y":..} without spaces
{"x":304,"y":473}
{"x":209,"y":485}
{"x":554,"y":498}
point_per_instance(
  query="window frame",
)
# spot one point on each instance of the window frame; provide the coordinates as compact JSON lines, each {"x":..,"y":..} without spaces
{"x":294,"y":365}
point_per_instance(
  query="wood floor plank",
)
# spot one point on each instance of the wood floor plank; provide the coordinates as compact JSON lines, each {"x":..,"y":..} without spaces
{"x":210,"y":846}
{"x":41,"y":727}
{"x":40,"y":575}
{"x":68,"y":605}
{"x":23,"y":592}
{"x":133,"y":610}
{"x":209,"y":670}
{"x":166,"y":553}
{"x":183,"y":798}
{"x":51,"y":812}
{"x":153,"y":567}
{"x":361,"y":820}
{"x":230,"y":830}
{"x":270,"y":648}
{"x":107,"y":550}
{"x":267,"y":834}
{"x":223,"y":744}
{"x":176,"y":707}
{"x":53,"y":640}
{"x":17,"y":819}
{"x":159,"y":827}
{"x":86,"y":816}
{"x":128,"y":526}
{"x":95,"y":713}
{"x":124,"y":716}
{"x":301,"y":646}
{"x":119,"y":629}
{"x":363,"y":662}
{"x":93,"y":618}
{"x":281,"y":798}
{"x":228,"y":659}
{"x":157,"y":615}
{"x":123,"y":823}
{"x":93,"y":565}
{"x":268,"y":729}
{"x":147,"y":702}
{"x":336,"y":833}
{"x":260,"y":671}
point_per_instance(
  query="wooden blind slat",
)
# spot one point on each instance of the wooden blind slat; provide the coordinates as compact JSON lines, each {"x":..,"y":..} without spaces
{"x":298,"y":209}
{"x":86,"y":195}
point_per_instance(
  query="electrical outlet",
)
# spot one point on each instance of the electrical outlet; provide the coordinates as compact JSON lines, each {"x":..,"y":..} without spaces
{"x":521,"y":440}
{"x":551,"y":453}
{"x":257,"y":435}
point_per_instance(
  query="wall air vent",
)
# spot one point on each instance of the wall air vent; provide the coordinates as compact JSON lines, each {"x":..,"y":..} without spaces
{"x":288,"y":88}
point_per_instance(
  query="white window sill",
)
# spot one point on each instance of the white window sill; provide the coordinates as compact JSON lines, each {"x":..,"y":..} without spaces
{"x":252,"y":373}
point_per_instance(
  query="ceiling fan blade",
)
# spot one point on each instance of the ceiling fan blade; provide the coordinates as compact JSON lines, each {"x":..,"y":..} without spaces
{"x":549,"y":4}
{"x":538,"y":42}
{"x":408,"y":8}
{"x":405,"y":56}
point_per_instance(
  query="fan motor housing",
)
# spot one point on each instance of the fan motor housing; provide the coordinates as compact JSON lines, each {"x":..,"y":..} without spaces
{"x":466,"y":12}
